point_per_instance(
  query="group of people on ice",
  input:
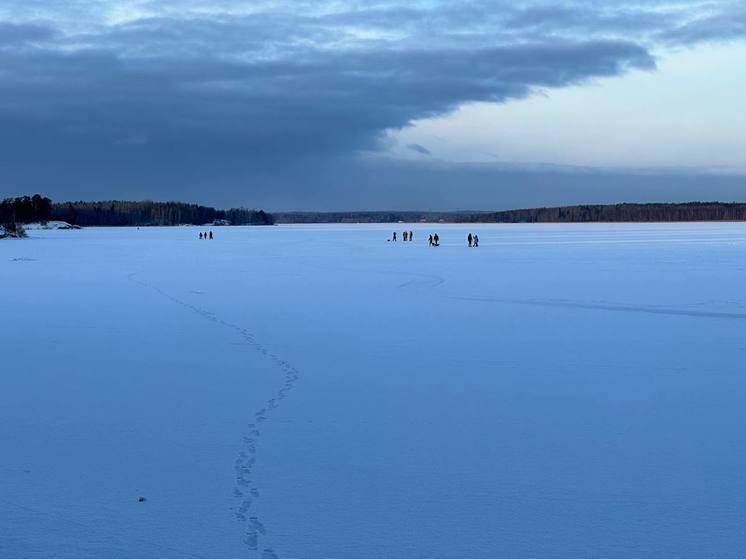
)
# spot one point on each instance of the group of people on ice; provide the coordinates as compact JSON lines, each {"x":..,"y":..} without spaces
{"x":205,"y":235}
{"x":434,"y":240}
{"x":406,"y":236}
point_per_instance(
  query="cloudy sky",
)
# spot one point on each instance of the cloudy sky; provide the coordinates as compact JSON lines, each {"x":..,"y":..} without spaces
{"x":340,"y":104}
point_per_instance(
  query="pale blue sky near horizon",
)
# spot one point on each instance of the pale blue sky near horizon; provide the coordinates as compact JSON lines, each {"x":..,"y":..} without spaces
{"x":684,"y":114}
{"x":294,"y":104}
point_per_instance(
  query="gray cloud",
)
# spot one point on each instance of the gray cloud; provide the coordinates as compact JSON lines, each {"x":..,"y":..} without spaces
{"x":21,"y":34}
{"x":727,"y":23}
{"x":417,"y":148}
{"x":168,"y":94}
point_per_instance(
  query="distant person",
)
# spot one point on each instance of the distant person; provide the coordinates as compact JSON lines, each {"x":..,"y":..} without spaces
{"x":436,"y":240}
{"x":393,"y":238}
{"x":211,"y":235}
{"x":476,"y":240}
{"x":200,"y":234}
{"x":469,"y":239}
{"x":410,"y":236}
{"x":405,"y":236}
{"x":430,"y":240}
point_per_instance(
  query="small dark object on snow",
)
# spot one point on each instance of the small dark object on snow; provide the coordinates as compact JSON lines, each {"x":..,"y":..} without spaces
{"x":141,"y":500}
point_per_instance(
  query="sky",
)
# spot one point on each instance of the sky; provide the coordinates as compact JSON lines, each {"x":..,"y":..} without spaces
{"x":333,"y":104}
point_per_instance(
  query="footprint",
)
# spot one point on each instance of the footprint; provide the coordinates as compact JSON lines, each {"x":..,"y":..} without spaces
{"x":245,"y":506}
{"x":257,"y":525}
{"x":251,"y":539}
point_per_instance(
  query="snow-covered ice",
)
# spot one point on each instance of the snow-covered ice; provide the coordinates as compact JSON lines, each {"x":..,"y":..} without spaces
{"x":318,"y":392}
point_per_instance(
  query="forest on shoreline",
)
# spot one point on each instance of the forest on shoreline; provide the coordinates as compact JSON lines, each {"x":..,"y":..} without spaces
{"x":597,"y":213}
{"x":39,"y":209}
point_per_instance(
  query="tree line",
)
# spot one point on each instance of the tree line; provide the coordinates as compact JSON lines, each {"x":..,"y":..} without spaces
{"x":373,"y":217}
{"x":37,"y":208}
{"x":656,"y":212}
{"x":25,"y":209}
{"x":690,"y":211}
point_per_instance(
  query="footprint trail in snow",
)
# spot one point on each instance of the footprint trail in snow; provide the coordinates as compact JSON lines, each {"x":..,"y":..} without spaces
{"x":245,"y":490}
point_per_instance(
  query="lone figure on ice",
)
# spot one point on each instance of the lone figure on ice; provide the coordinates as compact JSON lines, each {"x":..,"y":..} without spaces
{"x":410,"y":236}
{"x":469,"y":238}
{"x":393,"y":238}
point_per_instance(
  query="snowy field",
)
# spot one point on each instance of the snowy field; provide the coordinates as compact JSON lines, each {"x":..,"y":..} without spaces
{"x":315,"y":392}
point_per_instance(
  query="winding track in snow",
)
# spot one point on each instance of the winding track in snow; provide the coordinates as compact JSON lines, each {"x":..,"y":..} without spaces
{"x":602,"y":306}
{"x":245,"y":489}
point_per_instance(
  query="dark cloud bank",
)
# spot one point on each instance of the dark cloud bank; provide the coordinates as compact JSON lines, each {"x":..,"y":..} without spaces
{"x":237,"y":103}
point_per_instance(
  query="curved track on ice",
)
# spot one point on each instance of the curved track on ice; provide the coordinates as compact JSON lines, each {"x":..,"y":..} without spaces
{"x":245,"y":489}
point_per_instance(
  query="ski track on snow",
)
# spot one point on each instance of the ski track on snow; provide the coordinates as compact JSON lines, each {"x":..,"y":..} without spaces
{"x":245,"y":489}
{"x":602,"y":306}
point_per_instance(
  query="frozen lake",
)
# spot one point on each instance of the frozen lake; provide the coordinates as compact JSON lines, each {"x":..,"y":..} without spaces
{"x":316,"y":392}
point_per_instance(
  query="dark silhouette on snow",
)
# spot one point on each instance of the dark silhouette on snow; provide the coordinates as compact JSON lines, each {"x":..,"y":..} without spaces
{"x":211,"y":235}
{"x":410,"y":236}
{"x":393,"y":238}
{"x":469,"y":239}
{"x":200,"y":234}
{"x":430,"y":240}
{"x":436,"y":240}
{"x":476,"y":240}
